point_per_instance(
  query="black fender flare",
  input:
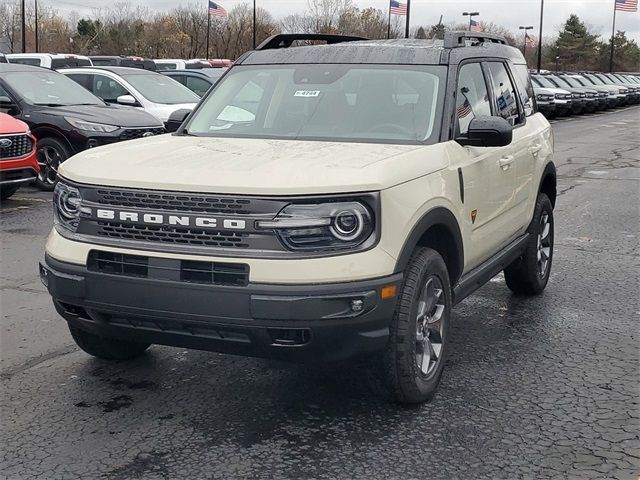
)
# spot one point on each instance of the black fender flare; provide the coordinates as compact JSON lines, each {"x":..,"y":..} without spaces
{"x":44,"y":131}
{"x":549,"y":170}
{"x":438,"y":216}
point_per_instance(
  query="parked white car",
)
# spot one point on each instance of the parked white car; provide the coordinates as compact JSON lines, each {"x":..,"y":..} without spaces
{"x":177,"y":64}
{"x":156,"y":94}
{"x":50,"y":60}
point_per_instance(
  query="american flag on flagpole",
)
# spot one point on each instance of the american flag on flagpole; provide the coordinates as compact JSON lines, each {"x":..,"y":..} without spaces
{"x":530,"y":40}
{"x":216,"y":10}
{"x":397,"y":8}
{"x":464,"y":109}
{"x":475,"y":26}
{"x":627,"y":5}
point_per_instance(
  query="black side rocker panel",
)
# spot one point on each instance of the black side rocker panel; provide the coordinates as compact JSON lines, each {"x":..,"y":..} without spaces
{"x":484,"y":272}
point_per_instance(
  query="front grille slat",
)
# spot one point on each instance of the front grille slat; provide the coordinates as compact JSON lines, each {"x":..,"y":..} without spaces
{"x":132,"y":133}
{"x":190,"y":271}
{"x":20,"y":146}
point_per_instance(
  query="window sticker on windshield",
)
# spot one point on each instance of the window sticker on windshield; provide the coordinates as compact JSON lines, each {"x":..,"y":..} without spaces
{"x":307,"y":93}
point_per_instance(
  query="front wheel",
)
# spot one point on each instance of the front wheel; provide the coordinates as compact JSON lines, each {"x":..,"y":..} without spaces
{"x":418,"y":340}
{"x":51,"y":153}
{"x":529,"y":274}
{"x":106,"y":348}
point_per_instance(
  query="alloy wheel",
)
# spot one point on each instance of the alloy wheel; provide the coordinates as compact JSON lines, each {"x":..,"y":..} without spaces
{"x":49,"y":160}
{"x":430,"y":326}
{"x":544,"y":244}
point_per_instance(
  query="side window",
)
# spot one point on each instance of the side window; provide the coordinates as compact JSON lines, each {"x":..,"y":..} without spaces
{"x":198,"y":85}
{"x":525,"y":88}
{"x":7,"y":106}
{"x":81,"y":78}
{"x":504,"y":94}
{"x":472,"y":98}
{"x":107,"y":89}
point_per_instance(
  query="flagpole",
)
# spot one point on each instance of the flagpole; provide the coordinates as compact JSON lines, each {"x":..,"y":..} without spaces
{"x":540,"y":37}
{"x":406,"y":30}
{"x":208,"y":27}
{"x":36,"y":24}
{"x":613,"y":35}
{"x":389,"y":24}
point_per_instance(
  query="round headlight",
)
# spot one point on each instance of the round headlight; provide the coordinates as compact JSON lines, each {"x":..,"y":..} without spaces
{"x":347,"y":225}
{"x":68,"y":203}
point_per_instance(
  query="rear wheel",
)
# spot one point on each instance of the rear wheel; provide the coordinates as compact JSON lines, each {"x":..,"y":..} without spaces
{"x":529,"y":274}
{"x":418,"y":340}
{"x":51,"y":153}
{"x":106,"y":348}
{"x":7,"y":190}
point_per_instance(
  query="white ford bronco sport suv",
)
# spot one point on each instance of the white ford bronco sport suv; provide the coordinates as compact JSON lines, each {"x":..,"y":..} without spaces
{"x":322,"y":202}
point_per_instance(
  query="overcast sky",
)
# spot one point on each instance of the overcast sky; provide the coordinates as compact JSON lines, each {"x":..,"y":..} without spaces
{"x":511,"y":14}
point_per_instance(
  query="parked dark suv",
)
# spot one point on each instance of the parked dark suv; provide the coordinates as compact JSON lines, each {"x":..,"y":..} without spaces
{"x":64,"y":117}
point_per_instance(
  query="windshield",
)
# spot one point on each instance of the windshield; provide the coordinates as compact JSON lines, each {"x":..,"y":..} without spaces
{"x":374,"y":103}
{"x":593,"y":79}
{"x":572,"y":81}
{"x":559,"y":82}
{"x":582,"y":81}
{"x":543,"y":82}
{"x":605,"y":80}
{"x":49,"y":88}
{"x":160,"y":89}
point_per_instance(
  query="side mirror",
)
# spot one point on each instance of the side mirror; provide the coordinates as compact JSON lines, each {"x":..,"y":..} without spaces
{"x":487,"y":132}
{"x":126,"y":100}
{"x":8,"y":105}
{"x":176,"y":119}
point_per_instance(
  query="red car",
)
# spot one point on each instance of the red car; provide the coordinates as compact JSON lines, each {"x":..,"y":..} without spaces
{"x":18,"y":163}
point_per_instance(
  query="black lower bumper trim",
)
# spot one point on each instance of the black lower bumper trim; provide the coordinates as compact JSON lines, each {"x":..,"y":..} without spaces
{"x":325,"y":322}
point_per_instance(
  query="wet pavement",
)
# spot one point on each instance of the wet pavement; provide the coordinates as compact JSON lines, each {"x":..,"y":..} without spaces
{"x":546,"y":387}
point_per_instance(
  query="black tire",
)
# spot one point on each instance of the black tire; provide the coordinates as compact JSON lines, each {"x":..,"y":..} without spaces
{"x":106,"y":348}
{"x":406,"y":381}
{"x":526,"y":276}
{"x":7,"y":190}
{"x":51,"y":153}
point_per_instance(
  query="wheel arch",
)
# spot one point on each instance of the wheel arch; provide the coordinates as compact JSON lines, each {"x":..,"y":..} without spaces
{"x":45,"y":131}
{"x":548,"y":183}
{"x":437,"y":229}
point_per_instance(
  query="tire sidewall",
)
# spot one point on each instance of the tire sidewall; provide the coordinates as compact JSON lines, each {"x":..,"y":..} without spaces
{"x":413,"y":385}
{"x":543,"y":205}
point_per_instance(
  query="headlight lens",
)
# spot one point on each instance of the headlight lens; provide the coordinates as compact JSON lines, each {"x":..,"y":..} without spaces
{"x":91,"y":126}
{"x":66,"y":204}
{"x":323,"y":226}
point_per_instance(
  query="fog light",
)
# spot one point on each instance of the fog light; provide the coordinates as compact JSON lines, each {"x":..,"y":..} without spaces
{"x":44,"y":276}
{"x":92,"y":143}
{"x":357,"y":306}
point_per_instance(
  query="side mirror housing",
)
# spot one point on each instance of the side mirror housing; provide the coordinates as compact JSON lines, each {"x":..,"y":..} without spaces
{"x":7,"y":105}
{"x":176,"y":119}
{"x":487,"y":132}
{"x":126,"y":100}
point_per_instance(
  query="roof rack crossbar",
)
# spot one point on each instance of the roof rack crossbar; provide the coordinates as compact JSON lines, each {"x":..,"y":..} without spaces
{"x":285,"y":40}
{"x":457,"y":39}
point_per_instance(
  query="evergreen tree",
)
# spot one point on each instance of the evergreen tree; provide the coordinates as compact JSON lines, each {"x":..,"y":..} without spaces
{"x":576,"y":46}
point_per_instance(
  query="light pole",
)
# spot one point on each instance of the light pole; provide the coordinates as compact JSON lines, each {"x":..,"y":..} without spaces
{"x":540,"y":37}
{"x":557,"y":62}
{"x":524,"y":48}
{"x":470,"y":15}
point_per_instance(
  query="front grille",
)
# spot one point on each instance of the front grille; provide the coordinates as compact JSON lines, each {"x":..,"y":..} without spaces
{"x":174,"y":202}
{"x":20,"y":146}
{"x":140,"y":266}
{"x":173,"y":235}
{"x":131,"y":133}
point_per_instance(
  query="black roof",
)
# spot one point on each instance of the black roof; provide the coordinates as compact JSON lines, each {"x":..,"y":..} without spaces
{"x":396,"y":51}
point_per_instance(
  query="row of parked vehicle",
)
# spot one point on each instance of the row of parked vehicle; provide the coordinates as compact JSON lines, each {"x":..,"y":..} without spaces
{"x":70,"y":103}
{"x":566,"y":93}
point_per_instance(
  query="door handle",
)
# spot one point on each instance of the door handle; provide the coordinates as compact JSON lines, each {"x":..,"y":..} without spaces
{"x":535,"y":148}
{"x":506,"y":161}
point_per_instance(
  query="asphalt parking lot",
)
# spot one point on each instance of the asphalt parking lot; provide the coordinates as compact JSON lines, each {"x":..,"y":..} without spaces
{"x":534,"y":388}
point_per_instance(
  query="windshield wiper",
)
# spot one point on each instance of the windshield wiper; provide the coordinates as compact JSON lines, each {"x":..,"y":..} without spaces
{"x":51,"y":104}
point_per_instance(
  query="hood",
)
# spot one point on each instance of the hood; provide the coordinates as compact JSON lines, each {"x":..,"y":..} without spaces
{"x":552,"y":90}
{"x":253,"y":166}
{"x":9,"y":125}
{"x":122,"y":117}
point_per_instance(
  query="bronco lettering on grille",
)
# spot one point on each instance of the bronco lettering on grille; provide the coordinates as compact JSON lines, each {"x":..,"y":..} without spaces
{"x":173,"y":220}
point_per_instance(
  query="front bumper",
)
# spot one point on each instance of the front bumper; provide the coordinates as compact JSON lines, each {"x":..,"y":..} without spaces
{"x":295,"y":323}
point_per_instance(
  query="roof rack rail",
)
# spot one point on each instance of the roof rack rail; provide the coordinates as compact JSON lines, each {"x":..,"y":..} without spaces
{"x":457,"y":38}
{"x":285,"y":40}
